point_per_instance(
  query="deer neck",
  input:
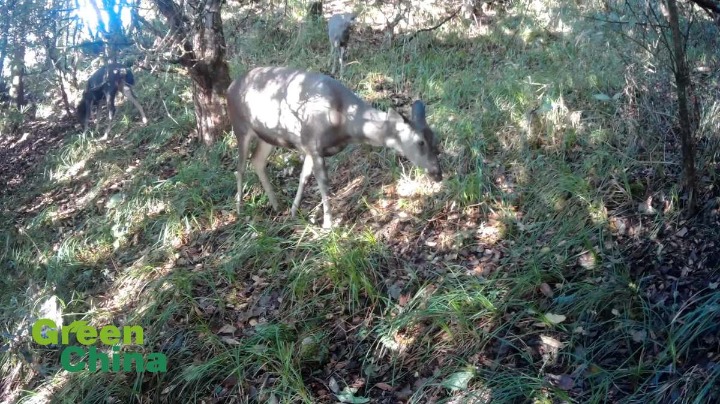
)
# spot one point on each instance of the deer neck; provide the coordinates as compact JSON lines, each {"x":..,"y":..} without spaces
{"x":370,"y":126}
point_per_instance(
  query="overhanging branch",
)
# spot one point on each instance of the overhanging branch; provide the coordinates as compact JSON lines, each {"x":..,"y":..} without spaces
{"x":434,"y":27}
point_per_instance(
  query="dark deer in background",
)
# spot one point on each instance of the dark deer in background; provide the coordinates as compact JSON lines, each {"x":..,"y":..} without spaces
{"x":104,"y":84}
{"x":315,"y":10}
{"x":339,"y":27}
{"x":318,"y":116}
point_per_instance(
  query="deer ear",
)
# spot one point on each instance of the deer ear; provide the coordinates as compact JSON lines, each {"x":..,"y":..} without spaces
{"x":418,"y":113}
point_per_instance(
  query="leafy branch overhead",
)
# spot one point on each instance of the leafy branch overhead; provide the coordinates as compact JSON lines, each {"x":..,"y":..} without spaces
{"x":712,"y":7}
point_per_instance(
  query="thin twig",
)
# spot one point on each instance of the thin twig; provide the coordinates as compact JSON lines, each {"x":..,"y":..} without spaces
{"x":642,"y":24}
{"x":438,"y":25}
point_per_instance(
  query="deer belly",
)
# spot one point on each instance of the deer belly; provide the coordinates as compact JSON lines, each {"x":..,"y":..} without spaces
{"x":332,"y":150}
{"x":275,"y":139}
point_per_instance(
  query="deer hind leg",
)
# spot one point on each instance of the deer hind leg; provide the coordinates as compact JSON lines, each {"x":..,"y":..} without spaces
{"x":244,"y":135}
{"x":110,"y":102}
{"x":259,"y":160}
{"x":341,"y":59}
{"x":307,"y":170}
{"x":130,"y":95}
{"x":320,"y":172}
{"x":88,"y":113}
{"x":333,"y":60}
{"x":96,"y":116}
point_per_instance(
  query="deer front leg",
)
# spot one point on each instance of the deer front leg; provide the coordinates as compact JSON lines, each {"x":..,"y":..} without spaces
{"x":321,"y":176}
{"x":87,"y":114}
{"x":83,"y":110}
{"x":130,"y":95}
{"x":110,"y":100}
{"x":307,"y":169}
{"x":97,"y":120}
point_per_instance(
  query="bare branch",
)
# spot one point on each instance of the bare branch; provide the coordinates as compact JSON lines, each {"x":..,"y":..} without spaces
{"x":434,"y":27}
{"x":638,"y":23}
{"x":709,"y":6}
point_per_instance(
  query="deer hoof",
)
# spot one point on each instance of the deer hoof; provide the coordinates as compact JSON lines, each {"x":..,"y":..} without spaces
{"x":327,"y":224}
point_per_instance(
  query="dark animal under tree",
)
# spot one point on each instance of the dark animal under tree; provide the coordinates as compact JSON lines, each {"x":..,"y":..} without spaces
{"x":104,"y":85}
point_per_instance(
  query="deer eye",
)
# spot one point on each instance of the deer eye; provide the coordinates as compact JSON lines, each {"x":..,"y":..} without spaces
{"x":421,"y":143}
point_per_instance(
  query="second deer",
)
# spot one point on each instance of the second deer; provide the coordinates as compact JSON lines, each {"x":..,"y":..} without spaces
{"x":104,"y":85}
{"x":339,"y":27}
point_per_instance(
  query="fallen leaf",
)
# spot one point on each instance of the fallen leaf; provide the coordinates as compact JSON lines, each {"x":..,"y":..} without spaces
{"x":458,"y":380}
{"x":602,"y":97}
{"x":546,"y":290}
{"x":555,"y":318}
{"x":646,"y":208}
{"x":563,"y":382}
{"x":384,"y":386}
{"x":551,"y":342}
{"x":587,"y":260}
{"x":230,"y":382}
{"x":333,"y":384}
{"x":394,"y":291}
{"x":348,"y":396}
{"x":227,"y":329}
{"x":639,"y":335}
{"x":230,"y":341}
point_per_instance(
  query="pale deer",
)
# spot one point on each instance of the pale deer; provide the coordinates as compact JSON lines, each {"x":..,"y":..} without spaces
{"x":318,"y":116}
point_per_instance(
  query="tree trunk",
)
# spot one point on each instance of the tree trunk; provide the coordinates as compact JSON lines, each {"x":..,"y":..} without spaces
{"x":59,"y":74}
{"x":4,"y":33}
{"x":17,"y":91}
{"x":210,"y":74}
{"x":209,"y":103}
{"x":115,"y":34}
{"x":53,"y":58}
{"x":203,"y":43}
{"x":682,"y":81}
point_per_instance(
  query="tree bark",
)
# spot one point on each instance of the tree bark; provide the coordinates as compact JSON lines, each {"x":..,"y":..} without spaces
{"x":17,"y":91}
{"x":210,"y":74}
{"x":682,"y":81}
{"x":54,"y":60}
{"x":203,"y":43}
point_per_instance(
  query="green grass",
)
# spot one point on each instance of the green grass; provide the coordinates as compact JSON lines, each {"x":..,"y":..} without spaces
{"x":413,"y":291}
